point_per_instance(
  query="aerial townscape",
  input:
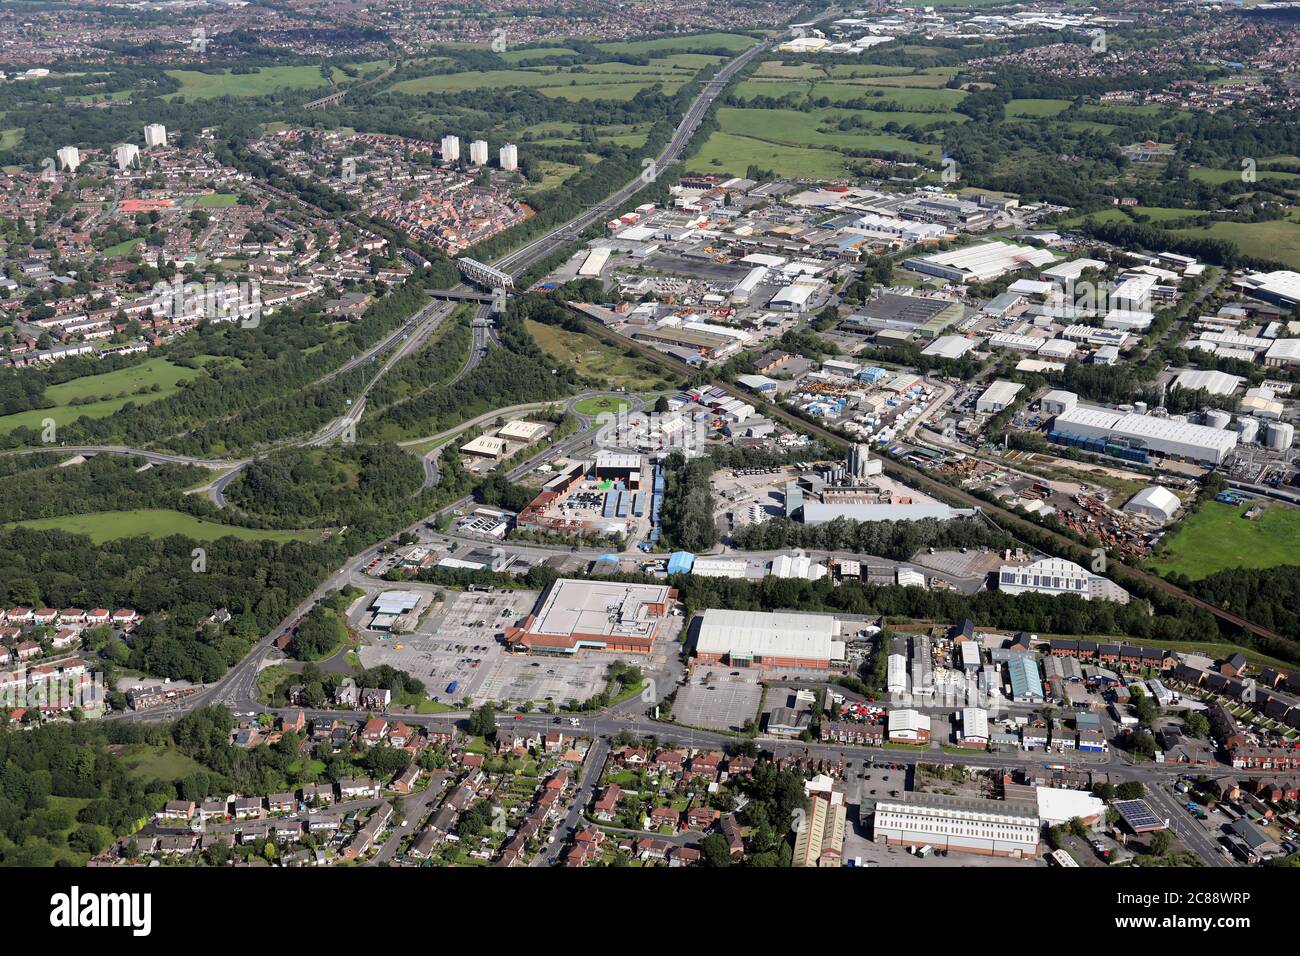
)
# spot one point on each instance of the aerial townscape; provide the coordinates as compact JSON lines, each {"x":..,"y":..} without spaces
{"x":715,"y":435}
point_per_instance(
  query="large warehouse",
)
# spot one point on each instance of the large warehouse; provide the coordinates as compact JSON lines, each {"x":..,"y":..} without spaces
{"x":981,"y":262}
{"x":1165,"y":436}
{"x":1007,"y":828}
{"x":602,"y":615}
{"x":769,"y":640}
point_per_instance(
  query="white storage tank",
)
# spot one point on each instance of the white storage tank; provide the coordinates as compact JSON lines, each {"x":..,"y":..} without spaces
{"x":1218,"y":418}
{"x":1248,"y":429}
{"x":1278,"y":436}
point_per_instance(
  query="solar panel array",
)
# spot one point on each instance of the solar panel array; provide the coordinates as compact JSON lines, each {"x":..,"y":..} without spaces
{"x":1138,"y":815}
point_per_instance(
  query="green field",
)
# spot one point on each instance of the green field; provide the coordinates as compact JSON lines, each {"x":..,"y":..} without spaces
{"x":590,"y":356}
{"x":819,"y":129}
{"x":1036,"y":108}
{"x":901,"y":98}
{"x":122,"y":248}
{"x":1217,"y":538}
{"x":157,"y":523}
{"x":619,"y":81}
{"x":725,"y":152}
{"x":9,"y":138}
{"x":537,"y":53}
{"x":163,"y":763}
{"x":105,"y":392}
{"x":212,"y":200}
{"x":1157,"y":214}
{"x":596,"y":406}
{"x":196,"y":85}
{"x":1217,"y":176}
{"x":553,"y":173}
{"x":798,"y":144}
{"x":1278,"y":239}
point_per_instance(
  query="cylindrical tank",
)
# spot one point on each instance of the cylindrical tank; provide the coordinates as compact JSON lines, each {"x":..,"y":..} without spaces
{"x":1278,"y":436}
{"x":1140,"y":407}
{"x":1218,"y":418}
{"x":1248,"y":428}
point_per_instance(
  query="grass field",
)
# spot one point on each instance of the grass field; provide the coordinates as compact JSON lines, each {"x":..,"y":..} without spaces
{"x":1278,"y":239}
{"x":196,"y":85}
{"x":616,"y":81}
{"x":9,"y":138}
{"x":122,"y":248}
{"x":1217,"y":538}
{"x":597,"y":406}
{"x":590,"y":356}
{"x":106,"y":390}
{"x":1036,"y":108}
{"x":902,"y":98}
{"x":1157,"y":215}
{"x":213,"y":200}
{"x":538,"y":53}
{"x":58,"y":842}
{"x":149,"y":762}
{"x":553,"y":173}
{"x":157,"y":523}
{"x":1207,"y":175}
{"x":725,"y":152}
{"x":819,"y":129}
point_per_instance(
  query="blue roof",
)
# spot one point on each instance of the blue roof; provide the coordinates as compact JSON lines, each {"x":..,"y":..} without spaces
{"x":681,"y":562}
{"x":1025,"y":680}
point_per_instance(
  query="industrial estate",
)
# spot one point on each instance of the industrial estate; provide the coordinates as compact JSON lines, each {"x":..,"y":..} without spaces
{"x":730,"y":435}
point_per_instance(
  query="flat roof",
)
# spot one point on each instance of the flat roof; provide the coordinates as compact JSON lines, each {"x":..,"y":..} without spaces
{"x":1001,"y":392}
{"x":521,"y":430}
{"x":767,"y":634}
{"x":949,"y":346}
{"x":1147,"y":427}
{"x":485,"y":445}
{"x":606,"y":608}
{"x":982,"y":808}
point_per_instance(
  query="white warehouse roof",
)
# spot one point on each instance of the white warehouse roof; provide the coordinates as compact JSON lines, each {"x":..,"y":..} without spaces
{"x":1207,"y":380}
{"x":1155,"y":499}
{"x":998,"y":396}
{"x":1057,"y":806}
{"x":761,"y":634}
{"x":949,"y":346}
{"x":1163,"y":435}
{"x":987,"y":260}
{"x":974,"y":722}
{"x":1283,"y":350}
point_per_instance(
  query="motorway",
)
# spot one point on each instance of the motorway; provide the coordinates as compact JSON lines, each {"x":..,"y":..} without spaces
{"x":523,"y":257}
{"x":238,"y":688}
